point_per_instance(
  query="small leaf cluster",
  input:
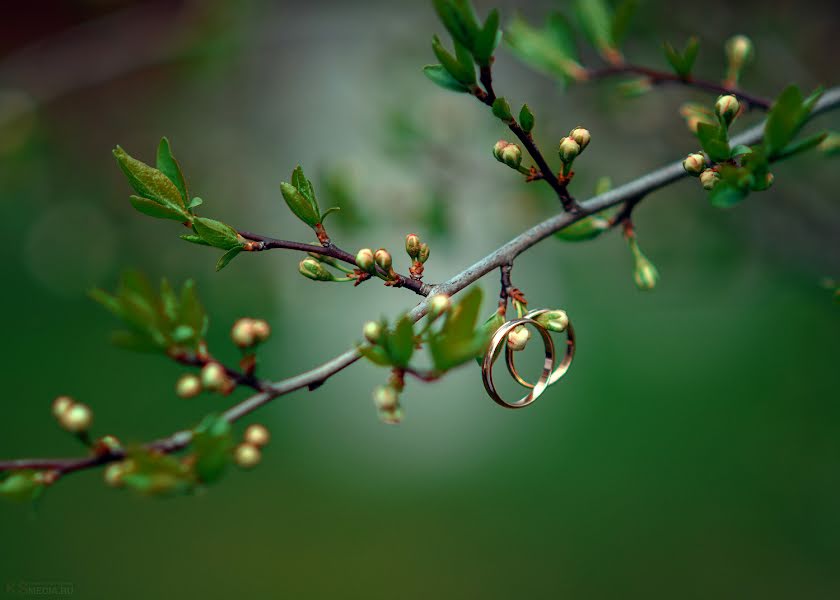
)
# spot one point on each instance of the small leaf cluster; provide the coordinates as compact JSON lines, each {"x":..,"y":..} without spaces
{"x":300,"y":196}
{"x":155,"y":320}
{"x":682,"y":62}
{"x":553,"y":48}
{"x":739,"y":170}
{"x":474,"y":44}
{"x":162,"y":193}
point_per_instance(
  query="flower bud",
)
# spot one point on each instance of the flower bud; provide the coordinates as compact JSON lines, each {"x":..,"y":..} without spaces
{"x":107,"y":444}
{"x":709,"y":179}
{"x":644,"y":273}
{"x":391,"y":417}
{"x":247,"y":456}
{"x":385,"y":398}
{"x":77,"y":418}
{"x":518,"y":338}
{"x":569,"y":149}
{"x":512,"y":156}
{"x":739,"y":51}
{"x":256,"y":435}
{"x":412,"y":245}
{"x":727,"y":107}
{"x":242,"y":333}
{"x":372,"y":331}
{"x":188,"y":386}
{"x":581,"y":136}
{"x":114,"y":473}
{"x":261,"y":329}
{"x":365,"y":261}
{"x":438,"y":304}
{"x":554,"y":320}
{"x":60,"y":405}
{"x":313,"y":269}
{"x":497,"y":149}
{"x":423,"y":255}
{"x":213,"y":376}
{"x":694,"y":164}
{"x":383,"y":259}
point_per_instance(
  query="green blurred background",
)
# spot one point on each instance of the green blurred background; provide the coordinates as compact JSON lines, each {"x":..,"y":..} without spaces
{"x":692,"y":452}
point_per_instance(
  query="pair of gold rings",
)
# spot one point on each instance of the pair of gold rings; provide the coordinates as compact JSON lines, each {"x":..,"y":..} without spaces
{"x":551,"y":371}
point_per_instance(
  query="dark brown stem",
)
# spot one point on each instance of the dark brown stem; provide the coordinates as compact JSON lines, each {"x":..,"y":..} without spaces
{"x":659,"y":77}
{"x":333,"y":251}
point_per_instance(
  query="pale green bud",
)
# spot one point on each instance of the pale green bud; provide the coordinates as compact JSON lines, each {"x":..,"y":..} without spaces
{"x":383,"y":259}
{"x":261,"y":329}
{"x":365,"y":260}
{"x":569,"y":149}
{"x":739,"y":51}
{"x":77,"y":418}
{"x":512,"y":156}
{"x":694,"y":164}
{"x":188,"y":386}
{"x":554,"y":320}
{"x":60,"y":405}
{"x":256,"y":435}
{"x":213,"y":376}
{"x":247,"y":456}
{"x":727,"y":107}
{"x":385,"y":398}
{"x":313,"y":269}
{"x":423,"y":255}
{"x":438,"y":304}
{"x":498,"y":147}
{"x":709,"y":179}
{"x":114,"y":473}
{"x":242,"y":333}
{"x":412,"y":245}
{"x":372,"y":331}
{"x":644,"y":273}
{"x":581,"y":136}
{"x":518,"y":338}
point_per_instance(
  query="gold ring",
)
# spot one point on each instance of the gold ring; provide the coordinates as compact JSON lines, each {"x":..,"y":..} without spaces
{"x":561,"y":369}
{"x":500,"y":337}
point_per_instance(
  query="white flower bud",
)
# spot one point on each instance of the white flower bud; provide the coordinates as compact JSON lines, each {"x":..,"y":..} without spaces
{"x":242,"y":333}
{"x":385,"y":398}
{"x":372,"y":331}
{"x":261,"y":329}
{"x":518,"y":338}
{"x":213,"y":376}
{"x":60,"y":405}
{"x":188,"y":386}
{"x":709,"y":179}
{"x":727,"y":108}
{"x":438,"y":304}
{"x":694,"y":164}
{"x":365,"y":260}
{"x":257,"y":435}
{"x":77,"y":418}
{"x":739,"y":50}
{"x":569,"y":149}
{"x":581,"y":136}
{"x":554,"y":320}
{"x":247,"y":455}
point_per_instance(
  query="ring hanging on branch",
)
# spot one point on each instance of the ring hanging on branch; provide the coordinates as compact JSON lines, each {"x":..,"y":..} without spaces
{"x":560,"y":322}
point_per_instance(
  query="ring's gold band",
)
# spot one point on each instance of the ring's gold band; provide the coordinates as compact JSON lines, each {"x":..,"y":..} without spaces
{"x":561,"y":369}
{"x":500,"y":337}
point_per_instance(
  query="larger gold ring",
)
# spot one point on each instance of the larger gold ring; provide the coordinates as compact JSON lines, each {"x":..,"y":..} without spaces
{"x":500,"y":337}
{"x":564,"y":365}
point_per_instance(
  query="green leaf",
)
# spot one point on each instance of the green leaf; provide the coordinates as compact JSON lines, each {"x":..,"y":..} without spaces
{"x":501,"y":109}
{"x":586,"y":229}
{"x":596,"y":21}
{"x":194,"y":239}
{"x":399,"y":343}
{"x":168,"y":301}
{"x":304,"y":186}
{"x":153,"y":208}
{"x":682,"y":63}
{"x":714,"y":141}
{"x":167,"y":165}
{"x":462,"y":73}
{"x":136,"y":342}
{"x":487,"y":39}
{"x":440,"y":76}
{"x":622,"y":16}
{"x":156,"y":474}
{"x":228,"y":256}
{"x":526,"y":118}
{"x":191,"y":311}
{"x":195,"y":203}
{"x":459,"y":19}
{"x":299,"y":205}
{"x":375,"y":354}
{"x":812,"y":141}
{"x":783,"y":120}
{"x":212,"y":442}
{"x":21,"y":486}
{"x":148,"y":182}
{"x":332,"y":209}
{"x":725,"y":195}
{"x":550,"y":50}
{"x":216,"y":233}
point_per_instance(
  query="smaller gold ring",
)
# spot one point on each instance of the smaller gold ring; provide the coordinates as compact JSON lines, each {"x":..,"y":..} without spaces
{"x":500,"y":337}
{"x":564,"y":365}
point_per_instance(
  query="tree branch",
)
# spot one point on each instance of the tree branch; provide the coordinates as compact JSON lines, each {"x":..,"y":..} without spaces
{"x":504,"y":255}
{"x":659,"y":77}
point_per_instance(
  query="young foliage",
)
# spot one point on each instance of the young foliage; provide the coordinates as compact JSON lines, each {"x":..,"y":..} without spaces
{"x":551,"y":49}
{"x":155,"y":321}
{"x":682,"y":62}
{"x":212,"y":445}
{"x":787,"y":116}
{"x":300,"y":196}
